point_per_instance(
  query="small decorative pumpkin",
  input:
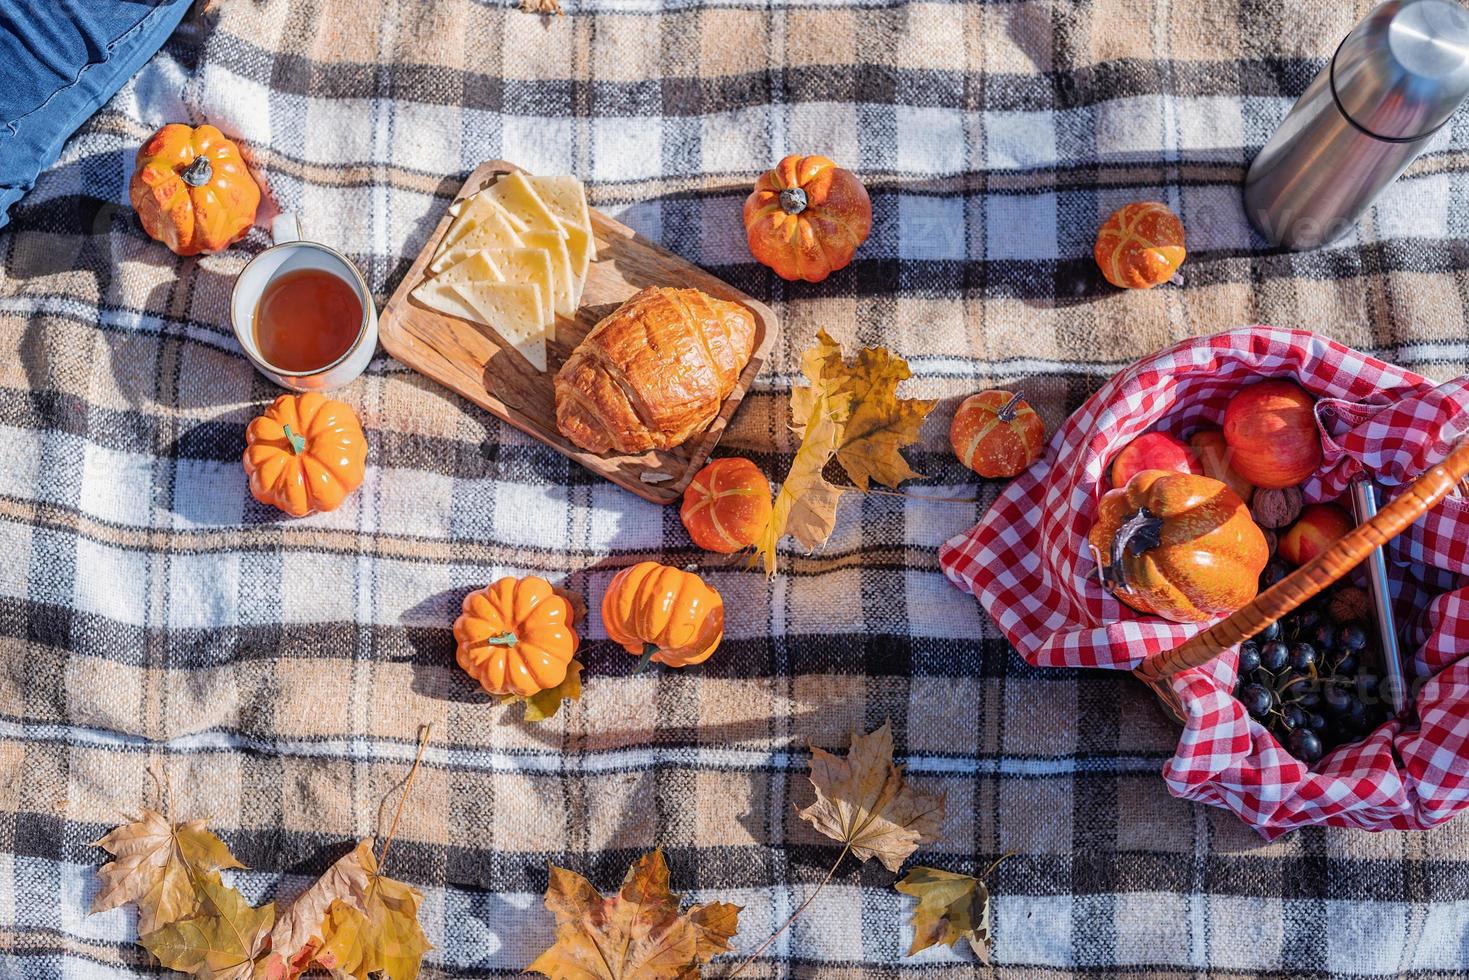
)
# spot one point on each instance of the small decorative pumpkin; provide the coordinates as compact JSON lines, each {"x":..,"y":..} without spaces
{"x":663,"y":614}
{"x":516,"y":636}
{"x":305,"y":454}
{"x":1178,"y":545}
{"x":1140,"y":245}
{"x":997,"y":434}
{"x":1275,"y":508}
{"x":192,"y":190}
{"x":805,"y":218}
{"x":726,"y":506}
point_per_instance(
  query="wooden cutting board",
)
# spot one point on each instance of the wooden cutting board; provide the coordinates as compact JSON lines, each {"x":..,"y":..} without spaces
{"x":472,"y":360}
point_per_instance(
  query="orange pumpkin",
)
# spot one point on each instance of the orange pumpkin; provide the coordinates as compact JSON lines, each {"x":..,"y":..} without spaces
{"x":726,"y":506}
{"x":805,"y":218}
{"x":663,"y":614}
{"x":997,"y":434}
{"x":1179,"y":545}
{"x":305,"y":454}
{"x":516,"y":636}
{"x":1140,"y":245}
{"x":192,"y":190}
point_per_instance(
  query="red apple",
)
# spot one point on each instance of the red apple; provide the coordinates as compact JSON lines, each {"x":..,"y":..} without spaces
{"x":1152,"y":451}
{"x":1271,"y":430}
{"x":1213,"y":453}
{"x":1318,"y":528}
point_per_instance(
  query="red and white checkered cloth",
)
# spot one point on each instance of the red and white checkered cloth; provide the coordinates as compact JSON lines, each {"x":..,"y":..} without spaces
{"x":1028,"y":563}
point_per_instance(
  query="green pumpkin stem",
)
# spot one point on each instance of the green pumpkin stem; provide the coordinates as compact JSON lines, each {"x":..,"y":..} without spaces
{"x":1141,"y":532}
{"x":648,"y":650}
{"x":298,"y":443}
{"x":198,"y":173}
{"x":793,"y":200}
{"x":1007,"y":410}
{"x":503,"y":640}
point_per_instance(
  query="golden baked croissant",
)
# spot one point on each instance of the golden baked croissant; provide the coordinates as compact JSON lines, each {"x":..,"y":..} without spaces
{"x":653,"y":372}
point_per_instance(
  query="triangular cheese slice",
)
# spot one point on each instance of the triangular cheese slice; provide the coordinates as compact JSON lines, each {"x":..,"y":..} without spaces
{"x":564,"y":300}
{"x":441,"y":296}
{"x":493,"y":231}
{"x":475,"y":267}
{"x":566,"y":198}
{"x":513,"y":311}
{"x":515,"y":193}
{"x":528,"y":266}
{"x":473,"y":213}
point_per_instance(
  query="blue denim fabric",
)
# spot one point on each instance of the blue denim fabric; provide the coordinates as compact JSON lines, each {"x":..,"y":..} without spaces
{"x":60,"y":60}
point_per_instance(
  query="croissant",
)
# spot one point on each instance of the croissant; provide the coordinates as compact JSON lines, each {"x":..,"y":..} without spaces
{"x":653,"y":372}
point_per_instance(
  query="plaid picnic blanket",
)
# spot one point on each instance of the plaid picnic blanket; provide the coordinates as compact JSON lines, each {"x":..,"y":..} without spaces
{"x":153,"y":616}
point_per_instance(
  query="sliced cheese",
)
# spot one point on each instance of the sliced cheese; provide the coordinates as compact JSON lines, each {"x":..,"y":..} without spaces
{"x":564,"y":287}
{"x":441,"y":296}
{"x":518,"y":197}
{"x":529,"y":266}
{"x":474,"y":212}
{"x":476,"y":267}
{"x":494,"y":231}
{"x":513,"y":310}
{"x":566,"y":198}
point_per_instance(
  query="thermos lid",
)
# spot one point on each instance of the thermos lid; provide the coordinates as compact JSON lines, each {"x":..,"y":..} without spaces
{"x":1403,"y":70}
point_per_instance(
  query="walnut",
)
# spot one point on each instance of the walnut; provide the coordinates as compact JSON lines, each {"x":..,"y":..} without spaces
{"x":1349,"y":604}
{"x":1276,"y":508}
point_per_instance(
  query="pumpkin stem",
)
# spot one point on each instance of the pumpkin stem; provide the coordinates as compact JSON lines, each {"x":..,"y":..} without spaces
{"x":648,"y":650}
{"x":198,"y":173}
{"x":503,"y":640}
{"x":1007,"y":410}
{"x":298,"y":443}
{"x":1139,"y":533}
{"x":793,"y":200}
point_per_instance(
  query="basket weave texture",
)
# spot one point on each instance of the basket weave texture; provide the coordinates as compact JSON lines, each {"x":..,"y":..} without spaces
{"x":1028,"y":563}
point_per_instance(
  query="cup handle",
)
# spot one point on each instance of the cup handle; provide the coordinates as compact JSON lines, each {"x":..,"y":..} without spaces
{"x":285,"y":228}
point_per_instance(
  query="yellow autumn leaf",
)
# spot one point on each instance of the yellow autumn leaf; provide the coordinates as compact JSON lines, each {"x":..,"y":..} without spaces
{"x":155,"y":864}
{"x":865,"y":803}
{"x":221,"y":941}
{"x":950,"y":907}
{"x":849,"y":410}
{"x":545,"y":704}
{"x":636,"y":934}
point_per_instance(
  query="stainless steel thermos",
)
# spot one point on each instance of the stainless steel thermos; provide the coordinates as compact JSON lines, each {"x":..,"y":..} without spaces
{"x":1397,"y":78}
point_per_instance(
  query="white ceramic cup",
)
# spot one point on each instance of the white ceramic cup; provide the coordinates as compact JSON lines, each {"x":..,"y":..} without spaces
{"x":290,"y":253}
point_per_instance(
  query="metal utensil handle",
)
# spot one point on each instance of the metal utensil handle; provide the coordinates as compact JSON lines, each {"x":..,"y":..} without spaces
{"x":1364,"y":506}
{"x":1326,"y":568}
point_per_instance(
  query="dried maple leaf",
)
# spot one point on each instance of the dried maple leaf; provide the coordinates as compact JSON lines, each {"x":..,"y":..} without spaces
{"x":541,"y":7}
{"x":864,"y":802}
{"x":635,"y":933}
{"x":850,"y":411}
{"x":545,"y":704}
{"x":950,"y":907}
{"x":221,"y":941}
{"x":157,"y":862}
{"x":352,"y":920}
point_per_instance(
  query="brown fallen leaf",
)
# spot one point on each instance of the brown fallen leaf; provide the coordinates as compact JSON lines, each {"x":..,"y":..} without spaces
{"x":545,"y":704}
{"x":636,"y":933}
{"x":849,"y":410}
{"x":541,"y":7}
{"x":157,"y":862}
{"x":864,"y":802}
{"x":221,"y":941}
{"x":950,"y":907}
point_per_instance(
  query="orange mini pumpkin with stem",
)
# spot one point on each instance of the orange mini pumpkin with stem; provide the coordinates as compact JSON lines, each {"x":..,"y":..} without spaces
{"x":1140,"y":245}
{"x":305,"y":454}
{"x":665,"y":614}
{"x":1178,"y":545}
{"x":192,"y":189}
{"x":726,"y":505}
{"x":516,"y":636}
{"x":805,"y":218}
{"x":997,"y":434}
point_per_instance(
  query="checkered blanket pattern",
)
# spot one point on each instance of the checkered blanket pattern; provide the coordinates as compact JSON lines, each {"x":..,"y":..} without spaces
{"x":152,"y":615}
{"x":1373,"y":418}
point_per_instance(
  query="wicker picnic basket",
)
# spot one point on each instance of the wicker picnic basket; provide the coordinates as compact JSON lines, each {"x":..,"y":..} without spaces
{"x":1027,"y":563}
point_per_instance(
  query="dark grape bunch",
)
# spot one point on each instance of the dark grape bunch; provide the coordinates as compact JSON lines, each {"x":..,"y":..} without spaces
{"x":1312,"y":677}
